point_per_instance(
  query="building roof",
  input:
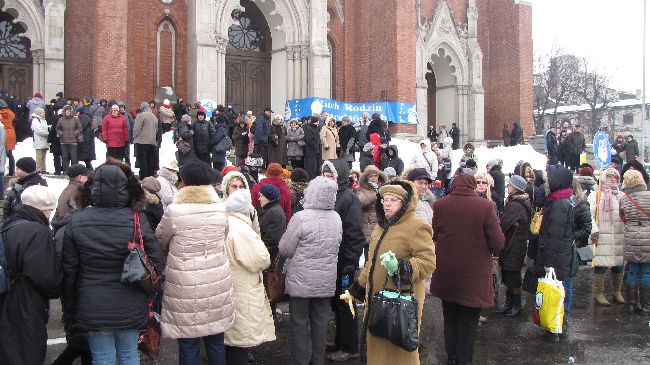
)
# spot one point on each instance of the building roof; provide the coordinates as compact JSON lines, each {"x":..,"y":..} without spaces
{"x":585,"y":107}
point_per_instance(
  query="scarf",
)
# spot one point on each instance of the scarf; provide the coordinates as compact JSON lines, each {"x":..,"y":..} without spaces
{"x":374,"y":185}
{"x":560,"y":194}
{"x":607,"y":192}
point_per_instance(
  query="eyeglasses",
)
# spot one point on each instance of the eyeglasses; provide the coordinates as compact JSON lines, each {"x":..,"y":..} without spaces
{"x":389,"y":201}
{"x":479,"y":182}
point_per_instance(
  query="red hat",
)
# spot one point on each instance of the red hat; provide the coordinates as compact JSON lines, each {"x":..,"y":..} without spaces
{"x":274,"y":169}
{"x":586,"y":171}
{"x":38,"y":95}
{"x":227,"y":169}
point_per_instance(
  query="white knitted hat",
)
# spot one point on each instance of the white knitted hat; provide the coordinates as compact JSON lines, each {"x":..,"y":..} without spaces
{"x":239,"y":201}
{"x":39,"y":197}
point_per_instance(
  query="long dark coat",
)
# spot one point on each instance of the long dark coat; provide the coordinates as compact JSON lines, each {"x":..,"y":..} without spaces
{"x":514,"y":225}
{"x":278,"y":150}
{"x":272,"y":226}
{"x":86,"y":149}
{"x":240,"y":140}
{"x":24,"y":309}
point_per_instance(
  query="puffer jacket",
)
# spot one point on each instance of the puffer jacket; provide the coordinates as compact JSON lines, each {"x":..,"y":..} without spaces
{"x":367,"y":195}
{"x":248,"y":257}
{"x":115,"y":131}
{"x":198,"y":296}
{"x":637,"y":225}
{"x":272,"y":226}
{"x":514,"y":225}
{"x":166,"y":114}
{"x":294,"y":137}
{"x":224,"y":184}
{"x":581,"y":222}
{"x":426,"y":159}
{"x":41,"y":132}
{"x":311,"y":272}
{"x":7,"y":119}
{"x":94,"y":249}
{"x":445,"y":154}
{"x":35,"y":103}
{"x":610,"y":250}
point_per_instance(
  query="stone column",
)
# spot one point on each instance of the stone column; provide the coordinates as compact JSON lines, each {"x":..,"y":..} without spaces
{"x":50,"y":59}
{"x":319,"y":55}
{"x":222,"y":43}
{"x":38,"y":60}
{"x":289,"y":70}
{"x":205,"y":52}
{"x":422,"y":104}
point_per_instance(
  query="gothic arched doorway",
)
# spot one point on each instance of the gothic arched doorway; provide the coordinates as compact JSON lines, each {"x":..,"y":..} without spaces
{"x":15,"y":58}
{"x":442,"y":93}
{"x":248,"y":60}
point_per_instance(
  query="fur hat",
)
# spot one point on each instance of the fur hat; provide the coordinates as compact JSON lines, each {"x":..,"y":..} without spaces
{"x":286,"y":174}
{"x":200,"y":112}
{"x":186,"y":118}
{"x":151,"y":184}
{"x":586,"y":171}
{"x":518,"y":183}
{"x":270,"y":192}
{"x":39,"y":197}
{"x":633,"y":178}
{"x":395,"y":190}
{"x":239,"y":201}
{"x":274,"y":170}
{"x":196,"y":172}
{"x":26,"y":164}
{"x":299,"y":175}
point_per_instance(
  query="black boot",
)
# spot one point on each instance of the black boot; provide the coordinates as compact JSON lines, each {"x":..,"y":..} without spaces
{"x":632,"y":298}
{"x":508,"y":303}
{"x":644,"y":300}
{"x":515,"y":309}
{"x":552,"y":337}
{"x":451,"y":360}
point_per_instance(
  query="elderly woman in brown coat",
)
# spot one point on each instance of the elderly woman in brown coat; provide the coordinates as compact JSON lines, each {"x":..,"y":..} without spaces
{"x":467,"y":234}
{"x":369,"y":183}
{"x":408,"y":236}
{"x":278,"y":141}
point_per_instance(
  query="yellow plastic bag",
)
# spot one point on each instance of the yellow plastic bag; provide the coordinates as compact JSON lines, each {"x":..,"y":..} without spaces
{"x":549,"y":303}
{"x":583,"y":158}
{"x":536,"y":222}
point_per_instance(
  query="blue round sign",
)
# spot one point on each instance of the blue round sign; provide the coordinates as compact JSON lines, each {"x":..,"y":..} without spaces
{"x":602,"y":150}
{"x":209,"y":105}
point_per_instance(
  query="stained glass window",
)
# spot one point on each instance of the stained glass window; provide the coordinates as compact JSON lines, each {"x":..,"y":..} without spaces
{"x":12,"y":43}
{"x":246,"y":34}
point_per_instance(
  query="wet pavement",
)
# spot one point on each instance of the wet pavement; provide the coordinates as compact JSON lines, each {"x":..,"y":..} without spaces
{"x":597,"y":335}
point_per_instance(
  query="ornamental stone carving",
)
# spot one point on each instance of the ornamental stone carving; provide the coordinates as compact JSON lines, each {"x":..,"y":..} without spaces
{"x":222,"y":43}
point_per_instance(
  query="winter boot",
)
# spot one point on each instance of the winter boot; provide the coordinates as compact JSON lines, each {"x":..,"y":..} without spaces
{"x":508,"y":303}
{"x":617,"y":282}
{"x":632,"y":298}
{"x":515,"y":309}
{"x":599,"y":289}
{"x":644,"y":300}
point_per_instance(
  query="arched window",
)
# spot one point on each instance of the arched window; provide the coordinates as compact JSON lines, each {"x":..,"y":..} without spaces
{"x":249,"y":32}
{"x":165,"y":54}
{"x":13,"y":45}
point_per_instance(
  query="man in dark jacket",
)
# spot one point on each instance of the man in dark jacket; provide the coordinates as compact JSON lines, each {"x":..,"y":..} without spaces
{"x":26,"y":176}
{"x":516,"y":135}
{"x":499,"y":189}
{"x":393,"y":160}
{"x":377,"y":126}
{"x":506,"y":135}
{"x":455,"y":136}
{"x":551,"y":145}
{"x":312,"y":158}
{"x":204,"y":137}
{"x":362,"y":128}
{"x":348,"y":207}
{"x":145,"y":138}
{"x":576,"y":145}
{"x":272,"y":219}
{"x":78,"y":175}
{"x":52,"y":118}
{"x":261,"y":131}
{"x":32,"y":262}
{"x":631,"y":149}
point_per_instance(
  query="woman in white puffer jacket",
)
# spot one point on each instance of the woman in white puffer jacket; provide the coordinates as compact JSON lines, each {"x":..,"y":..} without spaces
{"x":426,"y":159}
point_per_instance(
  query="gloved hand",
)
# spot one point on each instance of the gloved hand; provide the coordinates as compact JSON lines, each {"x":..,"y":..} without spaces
{"x":389,"y":261}
{"x":346,"y":297}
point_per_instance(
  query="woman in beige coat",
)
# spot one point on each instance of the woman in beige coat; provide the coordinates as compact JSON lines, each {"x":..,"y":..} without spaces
{"x":248,"y":257}
{"x":329,"y":139}
{"x":198,"y":299}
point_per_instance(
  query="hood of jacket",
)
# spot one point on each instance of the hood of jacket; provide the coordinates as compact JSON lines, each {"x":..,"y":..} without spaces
{"x":200,"y":194}
{"x":558,"y":177}
{"x":37,"y":102}
{"x":425,"y":142}
{"x":341,"y":169}
{"x":115,"y":186}
{"x":464,"y":181}
{"x":394,"y":149}
{"x":229,"y":176}
{"x":587,"y":180}
{"x":372,"y":169}
{"x":447,"y":142}
{"x":408,"y":206}
{"x":320,"y":194}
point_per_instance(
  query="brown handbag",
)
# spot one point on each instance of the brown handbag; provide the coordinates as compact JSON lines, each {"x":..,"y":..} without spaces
{"x":149,"y":339}
{"x":274,"y":282}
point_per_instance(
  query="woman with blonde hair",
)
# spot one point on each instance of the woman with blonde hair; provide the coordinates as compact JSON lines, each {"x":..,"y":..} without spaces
{"x":329,"y":137}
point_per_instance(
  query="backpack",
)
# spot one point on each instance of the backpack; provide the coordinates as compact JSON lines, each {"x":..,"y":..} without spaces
{"x":5,"y":275}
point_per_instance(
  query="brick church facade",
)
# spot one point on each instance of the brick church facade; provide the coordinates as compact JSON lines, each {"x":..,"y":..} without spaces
{"x":461,"y":61}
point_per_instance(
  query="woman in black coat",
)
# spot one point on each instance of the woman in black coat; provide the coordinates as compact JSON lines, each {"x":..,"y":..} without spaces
{"x":86,"y":149}
{"x":514,"y":224}
{"x":30,"y":253}
{"x":221,"y":132}
{"x":240,"y":139}
{"x":95,"y":245}
{"x":185,"y":131}
{"x":272,"y":219}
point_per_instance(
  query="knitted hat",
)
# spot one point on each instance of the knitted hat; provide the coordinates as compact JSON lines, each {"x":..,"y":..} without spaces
{"x":26,"y":164}
{"x":77,"y":170}
{"x":390,"y":172}
{"x":151,"y":184}
{"x":196,"y":172}
{"x":394,"y":190}
{"x":145,"y":107}
{"x":200,"y":112}
{"x":493,"y":162}
{"x":239,"y":201}
{"x":368,"y":147}
{"x":633,"y":178}
{"x":614,"y":172}
{"x":586,"y":171}
{"x":39,"y":197}
{"x":417,"y":174}
{"x":171,"y":165}
{"x":254,"y":160}
{"x":518,"y":183}
{"x":274,"y":170}
{"x":227,"y":169}
{"x":114,"y":106}
{"x":38,"y":111}
{"x":270,"y":192}
{"x":299,"y":175}
{"x":286,"y":174}
{"x":186,"y":118}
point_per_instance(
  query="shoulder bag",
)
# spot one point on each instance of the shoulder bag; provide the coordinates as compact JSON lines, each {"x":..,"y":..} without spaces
{"x":80,"y":136}
{"x":138,"y":270}
{"x":183,"y":147}
{"x":274,"y":282}
{"x":224,"y":145}
{"x":536,"y":221}
{"x":149,"y":339}
{"x":394,"y":316}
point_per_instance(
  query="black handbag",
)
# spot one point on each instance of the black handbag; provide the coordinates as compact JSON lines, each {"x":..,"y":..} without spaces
{"x":394,"y":316}
{"x":529,"y":283}
{"x":224,"y":145}
{"x":138,"y":270}
{"x":585,"y":254}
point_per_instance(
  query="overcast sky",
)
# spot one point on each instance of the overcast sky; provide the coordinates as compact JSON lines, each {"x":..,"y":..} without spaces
{"x":607,"y":32}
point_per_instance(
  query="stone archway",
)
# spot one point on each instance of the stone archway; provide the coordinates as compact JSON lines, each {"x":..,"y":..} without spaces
{"x":442,"y":95}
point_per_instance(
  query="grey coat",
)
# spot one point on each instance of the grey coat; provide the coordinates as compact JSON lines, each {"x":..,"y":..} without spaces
{"x":311,"y":272}
{"x":637,"y":226}
{"x":295,"y":142}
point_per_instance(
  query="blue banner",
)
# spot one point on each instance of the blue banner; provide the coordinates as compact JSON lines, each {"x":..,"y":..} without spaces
{"x":393,"y":112}
{"x":602,"y":150}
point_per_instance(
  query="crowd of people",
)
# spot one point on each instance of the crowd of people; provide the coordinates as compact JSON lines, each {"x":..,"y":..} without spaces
{"x":291,"y":200}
